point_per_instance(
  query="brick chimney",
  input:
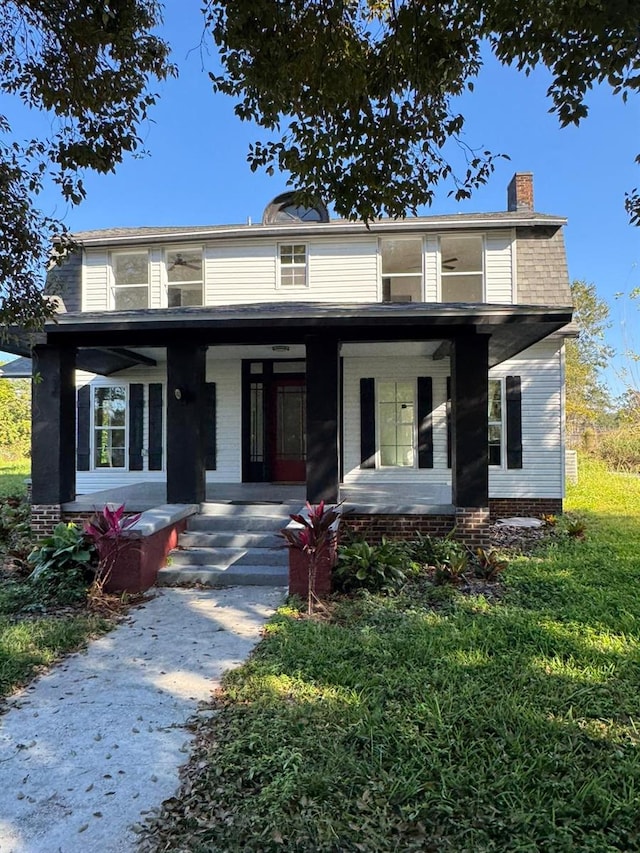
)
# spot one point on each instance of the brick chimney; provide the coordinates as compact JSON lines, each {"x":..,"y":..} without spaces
{"x":520,"y":192}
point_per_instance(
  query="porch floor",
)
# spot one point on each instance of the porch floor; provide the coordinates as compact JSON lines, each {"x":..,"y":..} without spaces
{"x":378,"y":499}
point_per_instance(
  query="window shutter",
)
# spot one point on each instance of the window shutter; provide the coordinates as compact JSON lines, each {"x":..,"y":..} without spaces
{"x":155,"y":426}
{"x":136,"y":425}
{"x":425,"y":422}
{"x":514,"y":421}
{"x":210,"y":426}
{"x":83,"y":438}
{"x":448,"y":422}
{"x":367,"y":423}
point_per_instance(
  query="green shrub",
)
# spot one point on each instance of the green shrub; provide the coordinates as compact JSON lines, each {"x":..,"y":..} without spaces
{"x":620,"y":449}
{"x":63,"y":564}
{"x":377,"y":568}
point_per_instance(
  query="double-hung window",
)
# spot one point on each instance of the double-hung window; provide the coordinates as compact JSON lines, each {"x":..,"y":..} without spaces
{"x":109,"y":426}
{"x":401,"y":266}
{"x":184,"y":277}
{"x":462,"y":268}
{"x":130,"y":280}
{"x":496,"y":409}
{"x":396,"y":415}
{"x":292,"y":264}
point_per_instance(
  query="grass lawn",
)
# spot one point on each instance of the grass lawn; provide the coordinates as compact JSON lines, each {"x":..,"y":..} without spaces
{"x":13,"y":475}
{"x":33,"y":635}
{"x":430,"y":721}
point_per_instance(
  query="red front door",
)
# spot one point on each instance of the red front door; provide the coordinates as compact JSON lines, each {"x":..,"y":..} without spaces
{"x":288,"y":431}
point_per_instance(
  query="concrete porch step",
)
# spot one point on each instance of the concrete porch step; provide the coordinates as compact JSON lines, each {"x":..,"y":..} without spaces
{"x":229,"y":544}
{"x":225,"y":557}
{"x":229,"y":539}
{"x":235,"y":523}
{"x":215,"y":576}
{"x":238,"y":510}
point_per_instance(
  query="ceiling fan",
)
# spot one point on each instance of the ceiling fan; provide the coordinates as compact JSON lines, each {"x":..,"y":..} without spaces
{"x":180,"y":262}
{"x":449,"y":263}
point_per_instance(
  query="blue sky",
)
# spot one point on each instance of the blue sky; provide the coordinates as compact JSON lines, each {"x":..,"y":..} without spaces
{"x":196,"y":172}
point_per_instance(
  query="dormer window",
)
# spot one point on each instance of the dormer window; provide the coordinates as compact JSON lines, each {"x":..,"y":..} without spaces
{"x":184,"y":277}
{"x":462,"y":268}
{"x":130,"y":280}
{"x":401,"y":270}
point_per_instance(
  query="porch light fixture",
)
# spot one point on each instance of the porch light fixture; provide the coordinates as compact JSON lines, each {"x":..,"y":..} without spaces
{"x":280,"y":348}
{"x":178,"y":393}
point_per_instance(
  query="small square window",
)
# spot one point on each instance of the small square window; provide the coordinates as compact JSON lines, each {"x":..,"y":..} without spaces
{"x":293,"y":265}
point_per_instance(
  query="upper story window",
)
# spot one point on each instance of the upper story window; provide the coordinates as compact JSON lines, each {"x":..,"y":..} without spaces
{"x":401,"y":270}
{"x":184,"y":277}
{"x":130,"y":280}
{"x":292,"y":265}
{"x":462,"y":269}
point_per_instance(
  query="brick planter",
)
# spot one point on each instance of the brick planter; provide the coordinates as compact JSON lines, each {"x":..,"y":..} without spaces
{"x":134,"y":561}
{"x":299,"y":573}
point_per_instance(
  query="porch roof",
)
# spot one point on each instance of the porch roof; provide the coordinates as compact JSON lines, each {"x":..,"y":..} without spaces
{"x":511,"y":328}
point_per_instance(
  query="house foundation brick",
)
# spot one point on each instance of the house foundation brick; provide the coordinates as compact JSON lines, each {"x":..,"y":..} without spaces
{"x":524,"y":507}
{"x":44,"y":518}
{"x":472,"y":526}
{"x":374,"y":527}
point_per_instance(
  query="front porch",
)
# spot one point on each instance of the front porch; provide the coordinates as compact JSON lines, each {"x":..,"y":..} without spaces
{"x":389,"y":498}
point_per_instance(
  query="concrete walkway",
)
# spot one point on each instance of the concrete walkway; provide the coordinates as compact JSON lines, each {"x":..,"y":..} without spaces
{"x":95,"y":743}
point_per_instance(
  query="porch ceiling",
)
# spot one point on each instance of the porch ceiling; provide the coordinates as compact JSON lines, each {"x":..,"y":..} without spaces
{"x":511,"y":328}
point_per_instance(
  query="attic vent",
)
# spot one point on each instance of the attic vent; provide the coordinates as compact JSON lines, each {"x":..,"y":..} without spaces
{"x":284,"y":209}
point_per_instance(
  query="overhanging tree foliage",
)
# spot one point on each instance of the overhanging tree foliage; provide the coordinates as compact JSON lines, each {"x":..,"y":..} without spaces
{"x":360,"y":94}
{"x":87,"y":65}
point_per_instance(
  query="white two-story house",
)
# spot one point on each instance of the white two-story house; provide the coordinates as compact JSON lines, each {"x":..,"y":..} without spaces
{"x":419,"y":361}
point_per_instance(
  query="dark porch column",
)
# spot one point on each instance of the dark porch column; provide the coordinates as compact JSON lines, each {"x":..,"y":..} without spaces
{"x":469,"y":417}
{"x":53,"y":426}
{"x":323,"y":371}
{"x":186,"y":376}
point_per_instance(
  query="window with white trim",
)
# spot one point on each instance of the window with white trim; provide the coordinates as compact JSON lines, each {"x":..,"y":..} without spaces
{"x":401,"y":268}
{"x":292,"y":265}
{"x":109,"y":426}
{"x":396,"y":418}
{"x":184,"y":277}
{"x":130,"y":272}
{"x":496,"y":426}
{"x":462,"y":268}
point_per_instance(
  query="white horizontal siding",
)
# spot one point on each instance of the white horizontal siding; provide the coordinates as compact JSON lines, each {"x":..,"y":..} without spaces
{"x":498,"y":270}
{"x":226,"y":373}
{"x":542,"y":474}
{"x":236,"y":274}
{"x":338,"y":271}
{"x":431,"y":269}
{"x":341,"y":272}
{"x":356,"y":368}
{"x":95,"y":281}
{"x":540,"y":370}
{"x":156,"y":299}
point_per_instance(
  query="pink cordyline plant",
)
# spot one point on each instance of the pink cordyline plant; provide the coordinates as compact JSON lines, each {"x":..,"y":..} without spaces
{"x":105,"y":528}
{"x":315,"y":538}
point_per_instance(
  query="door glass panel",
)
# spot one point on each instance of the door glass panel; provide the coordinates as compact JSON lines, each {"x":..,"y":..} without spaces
{"x":256,"y":448}
{"x":290,"y":438}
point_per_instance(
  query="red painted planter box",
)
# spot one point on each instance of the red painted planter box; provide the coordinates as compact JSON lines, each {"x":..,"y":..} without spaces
{"x":135,"y":561}
{"x":299,"y":573}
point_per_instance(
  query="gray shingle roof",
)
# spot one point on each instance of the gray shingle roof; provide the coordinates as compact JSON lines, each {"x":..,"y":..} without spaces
{"x":505,"y":219}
